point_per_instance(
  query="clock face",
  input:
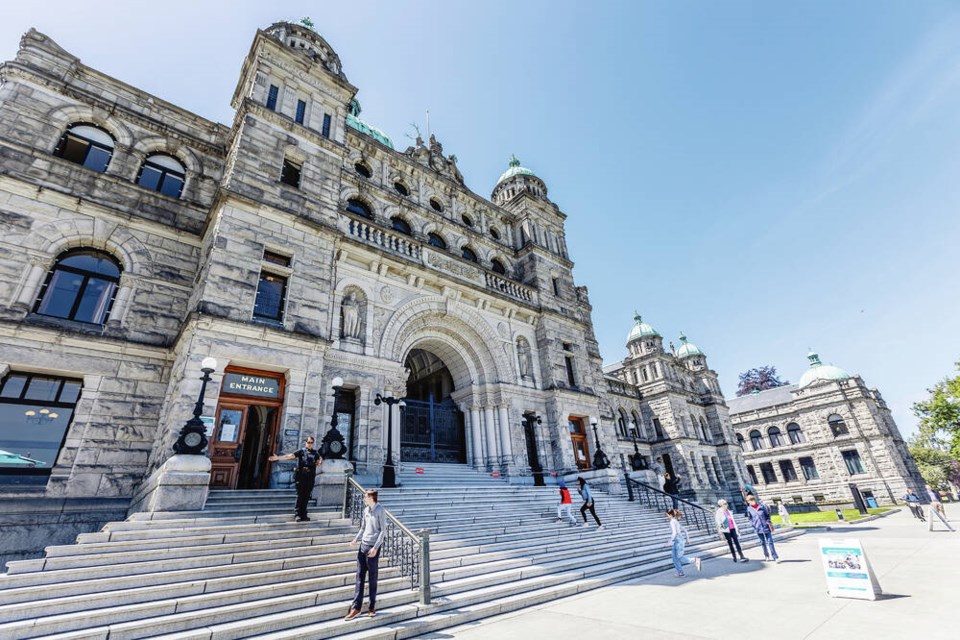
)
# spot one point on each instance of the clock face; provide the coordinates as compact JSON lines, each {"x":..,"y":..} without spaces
{"x":336,"y":446}
{"x":192,"y":439}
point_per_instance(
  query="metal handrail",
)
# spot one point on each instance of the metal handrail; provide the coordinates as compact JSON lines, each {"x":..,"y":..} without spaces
{"x":694,"y":514}
{"x":404,"y":549}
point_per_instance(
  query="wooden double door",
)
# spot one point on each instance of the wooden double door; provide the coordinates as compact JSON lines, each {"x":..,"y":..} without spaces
{"x":578,"y":436}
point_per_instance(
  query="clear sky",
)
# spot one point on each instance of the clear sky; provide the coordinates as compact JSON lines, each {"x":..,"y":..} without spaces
{"x":766,"y":177}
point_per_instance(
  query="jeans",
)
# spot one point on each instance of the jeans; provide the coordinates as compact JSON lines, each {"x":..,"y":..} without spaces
{"x":676,"y":500}
{"x":366,"y":565}
{"x":566,"y":510}
{"x":766,"y":541}
{"x":583,"y":512}
{"x":733,"y":539}
{"x":676,"y":554}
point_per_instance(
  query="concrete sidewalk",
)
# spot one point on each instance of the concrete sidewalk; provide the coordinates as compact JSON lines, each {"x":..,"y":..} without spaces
{"x":918,"y":570}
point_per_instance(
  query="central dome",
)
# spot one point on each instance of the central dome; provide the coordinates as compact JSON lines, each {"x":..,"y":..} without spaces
{"x":688,"y":349}
{"x":515,"y":170}
{"x":819,"y":372}
{"x":641,"y":330}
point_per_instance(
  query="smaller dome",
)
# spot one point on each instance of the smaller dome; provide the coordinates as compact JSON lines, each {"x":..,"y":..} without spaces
{"x":641,"y":330}
{"x":515,"y":170}
{"x":688,"y":349}
{"x":354,"y":122}
{"x":819,"y":372}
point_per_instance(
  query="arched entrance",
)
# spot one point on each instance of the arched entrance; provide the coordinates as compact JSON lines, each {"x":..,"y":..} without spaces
{"x":433,"y":427}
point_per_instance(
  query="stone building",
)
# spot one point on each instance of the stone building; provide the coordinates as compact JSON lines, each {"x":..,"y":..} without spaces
{"x":809,"y":442}
{"x":671,"y":401}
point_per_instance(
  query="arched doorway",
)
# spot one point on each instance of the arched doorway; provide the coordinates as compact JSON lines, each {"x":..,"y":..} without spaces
{"x":433,"y":427}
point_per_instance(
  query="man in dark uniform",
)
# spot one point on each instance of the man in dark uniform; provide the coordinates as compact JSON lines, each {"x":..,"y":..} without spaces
{"x":308,"y":459}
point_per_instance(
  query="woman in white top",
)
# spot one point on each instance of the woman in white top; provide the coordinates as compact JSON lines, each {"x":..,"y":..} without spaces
{"x":728,"y":527}
{"x":678,"y":540}
{"x":784,"y":514}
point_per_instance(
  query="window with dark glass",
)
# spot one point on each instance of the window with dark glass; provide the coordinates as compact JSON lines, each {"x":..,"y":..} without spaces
{"x":766,"y":470}
{"x":325,"y":130}
{"x":162,"y":173}
{"x":401,"y":225}
{"x":494,"y":233}
{"x":363,"y":170}
{"x":657,"y":428}
{"x":837,"y":425}
{"x":86,"y":145}
{"x":775,"y":440}
{"x":301,"y":111}
{"x":468,"y":254}
{"x":359,"y":207}
{"x":81,"y":287}
{"x":401,"y":188}
{"x":35,"y":413}
{"x":556,"y":286}
{"x":704,"y":431}
{"x":752,"y":474}
{"x":852,"y":460}
{"x":272,"y":97}
{"x":756,"y":440}
{"x":794,"y":433}
{"x":290,"y":173}
{"x":276,"y":258}
{"x":435,"y":205}
{"x":498,"y":267}
{"x":466,"y":220}
{"x":740,"y":442}
{"x":787,"y":471}
{"x":571,"y":379}
{"x":271,"y":293}
{"x":436,"y":241}
{"x":809,"y":469}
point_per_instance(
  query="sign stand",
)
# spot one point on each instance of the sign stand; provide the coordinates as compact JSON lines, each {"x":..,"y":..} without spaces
{"x":933,"y":513}
{"x":848,"y":572}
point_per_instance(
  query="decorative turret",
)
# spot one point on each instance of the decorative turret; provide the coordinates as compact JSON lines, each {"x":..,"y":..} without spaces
{"x":819,"y":372}
{"x":516,"y":180}
{"x":643,"y":338}
{"x":688,"y":349}
{"x":302,"y":37}
{"x":354,"y":122}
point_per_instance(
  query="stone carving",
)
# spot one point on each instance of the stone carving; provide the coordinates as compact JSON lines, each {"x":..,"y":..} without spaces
{"x":524,"y":357}
{"x":352,"y":326}
{"x":452,"y":266}
{"x":432,"y":156}
{"x":502,"y":329}
{"x":395,"y":384}
{"x":386,"y":294}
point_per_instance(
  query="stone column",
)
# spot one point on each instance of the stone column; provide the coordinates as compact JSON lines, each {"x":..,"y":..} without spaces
{"x":490,"y":429}
{"x":121,"y":304}
{"x":506,"y":449}
{"x":31,"y":287}
{"x":478,"y":459}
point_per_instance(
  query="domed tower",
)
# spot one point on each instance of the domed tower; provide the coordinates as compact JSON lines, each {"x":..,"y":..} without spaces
{"x":819,"y":373}
{"x":691,"y":355}
{"x":518,"y":180}
{"x":643,"y":338}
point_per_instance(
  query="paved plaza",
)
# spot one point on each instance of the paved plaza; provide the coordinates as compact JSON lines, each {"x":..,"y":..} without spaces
{"x":918,"y":570}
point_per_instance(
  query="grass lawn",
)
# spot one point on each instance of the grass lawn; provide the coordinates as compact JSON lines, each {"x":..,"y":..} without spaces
{"x":827,"y":516}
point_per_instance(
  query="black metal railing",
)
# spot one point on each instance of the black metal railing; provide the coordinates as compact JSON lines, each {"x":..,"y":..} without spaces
{"x":402,"y":548}
{"x":693,"y":514}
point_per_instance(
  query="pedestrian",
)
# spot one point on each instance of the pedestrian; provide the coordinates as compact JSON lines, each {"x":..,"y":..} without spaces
{"x":659,"y":469}
{"x":727,"y":524}
{"x":759,"y":516}
{"x":913,"y":503}
{"x":305,"y":475}
{"x":678,"y":542}
{"x":671,"y":486}
{"x":784,"y":514}
{"x":566,"y":505}
{"x":935,"y":502}
{"x":373,"y":530}
{"x":584,"y":491}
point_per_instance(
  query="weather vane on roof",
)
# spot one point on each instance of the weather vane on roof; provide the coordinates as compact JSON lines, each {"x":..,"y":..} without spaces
{"x":307,"y":22}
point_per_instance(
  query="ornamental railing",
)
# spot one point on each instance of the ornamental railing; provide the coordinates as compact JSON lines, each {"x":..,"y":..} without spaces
{"x":402,"y":548}
{"x":391,"y":241}
{"x":508,"y":287}
{"x":693,"y":514}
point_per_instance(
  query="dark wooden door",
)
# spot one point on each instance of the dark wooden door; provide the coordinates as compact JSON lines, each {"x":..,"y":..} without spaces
{"x":581,"y":450}
{"x":225,"y":449}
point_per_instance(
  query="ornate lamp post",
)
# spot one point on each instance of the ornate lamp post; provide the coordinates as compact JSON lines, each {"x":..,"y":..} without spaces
{"x":600,"y":460}
{"x":533,"y":458}
{"x":333,"y":446}
{"x":636,"y":461}
{"x":389,"y":472}
{"x":193,"y":435}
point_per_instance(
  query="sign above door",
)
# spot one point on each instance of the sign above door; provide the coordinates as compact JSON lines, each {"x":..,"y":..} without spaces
{"x":243,"y":384}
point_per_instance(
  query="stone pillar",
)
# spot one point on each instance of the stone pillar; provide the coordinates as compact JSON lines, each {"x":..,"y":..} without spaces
{"x":467,"y":437}
{"x":506,"y":449}
{"x":121,"y":304}
{"x":477,"y":431}
{"x":28,"y":294}
{"x":180,"y":484}
{"x":490,"y":429}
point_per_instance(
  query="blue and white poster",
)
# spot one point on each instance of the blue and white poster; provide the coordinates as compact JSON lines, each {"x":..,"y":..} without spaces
{"x":848,"y":571}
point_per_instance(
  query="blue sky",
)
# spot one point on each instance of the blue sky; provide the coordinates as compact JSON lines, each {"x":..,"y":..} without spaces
{"x":766,"y":177}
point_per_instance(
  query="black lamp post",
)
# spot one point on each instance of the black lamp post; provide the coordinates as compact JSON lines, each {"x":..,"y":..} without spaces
{"x":600,"y":460}
{"x":333,"y":446}
{"x":389,"y":472}
{"x":533,"y":457}
{"x":636,"y":461}
{"x":193,"y":435}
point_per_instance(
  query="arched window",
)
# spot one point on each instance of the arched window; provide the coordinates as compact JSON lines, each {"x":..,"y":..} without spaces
{"x":80,"y":287}
{"x":775,"y":440}
{"x":435,"y":205}
{"x":401,"y":188}
{"x":756,"y":440}
{"x":363,"y":170}
{"x":740,"y":441}
{"x":494,"y":233}
{"x":468,"y":254}
{"x":837,"y":425}
{"x":359,"y":207}
{"x":794,"y":433}
{"x":436,"y":241}
{"x":87,"y":145}
{"x":467,"y":220}
{"x":704,"y":430}
{"x":162,"y":173}
{"x":401,"y":225}
{"x":498,"y":267}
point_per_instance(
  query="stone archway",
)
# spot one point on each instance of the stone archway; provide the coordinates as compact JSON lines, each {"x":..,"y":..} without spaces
{"x":432,"y":428}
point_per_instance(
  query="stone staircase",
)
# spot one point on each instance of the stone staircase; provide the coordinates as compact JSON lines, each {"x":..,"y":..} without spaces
{"x":242,"y":568}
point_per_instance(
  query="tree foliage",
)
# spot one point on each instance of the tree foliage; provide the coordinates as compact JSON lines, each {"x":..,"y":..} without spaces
{"x":759,"y":379}
{"x":936,"y":465}
{"x":940,"y":416}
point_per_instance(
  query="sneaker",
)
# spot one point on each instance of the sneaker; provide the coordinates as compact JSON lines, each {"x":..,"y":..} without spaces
{"x":299,"y":519}
{"x":353,"y":613}
{"x":681,"y":574}
{"x":777,"y":560}
{"x":697,"y":562}
{"x":766,"y":558}
{"x":600,"y":528}
{"x":371,"y":612}
{"x":742,"y":559}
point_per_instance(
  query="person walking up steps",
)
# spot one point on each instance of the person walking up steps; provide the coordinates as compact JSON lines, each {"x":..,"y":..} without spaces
{"x":373,"y":530}
{"x":566,"y":505}
{"x":759,"y":516}
{"x":678,"y":543}
{"x":305,"y":475}
{"x":728,"y":527}
{"x":584,"y":491}
{"x":671,"y":485}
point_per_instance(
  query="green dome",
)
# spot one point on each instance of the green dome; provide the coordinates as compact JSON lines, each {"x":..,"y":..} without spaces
{"x":641,"y":330}
{"x":515,"y":170}
{"x":356,"y":123}
{"x":688,"y":349}
{"x":819,"y":372}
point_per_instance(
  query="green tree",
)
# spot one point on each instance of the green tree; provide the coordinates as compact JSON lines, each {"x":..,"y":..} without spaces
{"x":759,"y":379}
{"x":940,"y":416}
{"x":936,"y":466}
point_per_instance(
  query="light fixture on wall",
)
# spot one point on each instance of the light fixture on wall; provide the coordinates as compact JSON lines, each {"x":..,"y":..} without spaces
{"x":600,"y":460}
{"x":42,"y":416}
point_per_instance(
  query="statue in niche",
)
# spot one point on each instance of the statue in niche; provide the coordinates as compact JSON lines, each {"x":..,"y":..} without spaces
{"x":524,"y":357}
{"x":352,"y":323}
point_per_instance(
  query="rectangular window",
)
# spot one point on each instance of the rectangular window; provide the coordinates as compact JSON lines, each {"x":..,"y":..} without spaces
{"x":301,"y":111}
{"x":290,"y":174}
{"x":556,"y":287}
{"x":325,"y":132}
{"x":809,"y":469}
{"x":787,"y":471}
{"x":571,"y":380}
{"x":769,"y":475}
{"x":272,"y":97}
{"x":854,"y":465}
{"x":271,"y":293}
{"x":35,"y":413}
{"x":643,"y":372}
{"x":658,"y":429}
{"x":718,"y":471}
{"x":753,"y":474}
{"x":276,"y":258}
